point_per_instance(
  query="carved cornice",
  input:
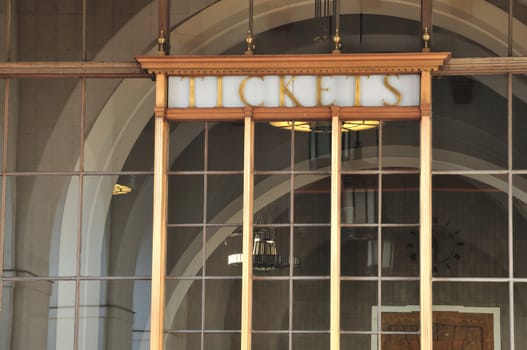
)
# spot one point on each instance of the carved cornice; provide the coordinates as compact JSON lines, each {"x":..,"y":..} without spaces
{"x":341,"y":64}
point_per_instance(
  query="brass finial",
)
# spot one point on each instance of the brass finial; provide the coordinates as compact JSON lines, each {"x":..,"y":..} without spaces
{"x":426,"y":40}
{"x":250,"y":45}
{"x":161,"y":43}
{"x":336,"y":40}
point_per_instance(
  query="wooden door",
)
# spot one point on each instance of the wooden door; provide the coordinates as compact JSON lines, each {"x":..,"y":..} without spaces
{"x":451,"y":331}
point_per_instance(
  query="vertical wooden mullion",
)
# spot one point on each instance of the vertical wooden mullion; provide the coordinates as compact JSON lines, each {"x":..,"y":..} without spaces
{"x":248,"y":196}
{"x":425,"y":214}
{"x":159,"y":229}
{"x":336,"y":141}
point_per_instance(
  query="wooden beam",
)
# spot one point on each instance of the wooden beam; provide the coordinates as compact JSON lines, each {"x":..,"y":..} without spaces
{"x":336,"y":140}
{"x":159,"y":226}
{"x":425,"y":214}
{"x":484,"y":66}
{"x":247,"y":248}
{"x":72,"y":70}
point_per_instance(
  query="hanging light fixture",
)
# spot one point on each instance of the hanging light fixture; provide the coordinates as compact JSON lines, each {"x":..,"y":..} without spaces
{"x":265,"y":252}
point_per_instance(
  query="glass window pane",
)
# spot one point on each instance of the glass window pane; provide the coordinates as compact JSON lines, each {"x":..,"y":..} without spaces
{"x":360,"y":149}
{"x":519,"y":121}
{"x":359,"y":254}
{"x":470,"y":123}
{"x":115,"y":313}
{"x":270,"y":305}
{"x":47,"y":30}
{"x":42,"y":225}
{"x":182,"y":341}
{"x":187,"y":146}
{"x":117,"y":225}
{"x":358,"y":341}
{"x":312,"y":249}
{"x":224,"y":198}
{"x":470,"y":228}
{"x":223,"y":304}
{"x":312,"y":199}
{"x":520,"y":315}
{"x":36,"y":313}
{"x":214,"y":341}
{"x":107,"y":21}
{"x":358,"y":301}
{"x":272,"y":147}
{"x":312,"y":145}
{"x":266,"y":341}
{"x":272,"y":199}
{"x":400,"y":145}
{"x":184,"y":251}
{"x":470,"y":30}
{"x":183,"y":308}
{"x":519,"y":201}
{"x":119,"y":127}
{"x":271,"y":251}
{"x":54,"y":134}
{"x":225,"y":151}
{"x":400,"y":251}
{"x":479,"y":310}
{"x":223,"y":249}
{"x":359,"y":199}
{"x":311,"y":305}
{"x":185,"y":199}
{"x":400,"y":199}
{"x":315,"y":341}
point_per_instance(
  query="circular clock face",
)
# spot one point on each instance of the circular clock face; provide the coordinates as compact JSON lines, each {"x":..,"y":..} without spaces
{"x":447,"y":246}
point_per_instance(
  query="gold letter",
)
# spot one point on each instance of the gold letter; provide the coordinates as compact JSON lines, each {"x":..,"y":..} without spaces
{"x":357,"y":89}
{"x":192,"y":88}
{"x":241,"y":91}
{"x":319,"y":91}
{"x":219,"y":95}
{"x":396,"y":92}
{"x":284,"y":90}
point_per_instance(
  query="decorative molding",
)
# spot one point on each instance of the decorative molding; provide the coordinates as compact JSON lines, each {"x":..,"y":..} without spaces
{"x":328,"y":64}
{"x":297,"y":113}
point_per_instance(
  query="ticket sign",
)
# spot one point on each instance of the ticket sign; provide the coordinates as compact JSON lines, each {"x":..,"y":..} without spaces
{"x":293,"y":91}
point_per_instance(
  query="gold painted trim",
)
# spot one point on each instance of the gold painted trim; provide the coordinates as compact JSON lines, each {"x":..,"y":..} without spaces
{"x":329,"y":64}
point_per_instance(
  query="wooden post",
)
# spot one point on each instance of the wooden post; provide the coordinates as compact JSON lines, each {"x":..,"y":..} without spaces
{"x":425,"y":214}
{"x":336,"y":140}
{"x":159,"y":227}
{"x":247,"y":251}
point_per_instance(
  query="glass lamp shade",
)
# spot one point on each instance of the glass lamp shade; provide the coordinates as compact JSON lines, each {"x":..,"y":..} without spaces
{"x":303,"y":126}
